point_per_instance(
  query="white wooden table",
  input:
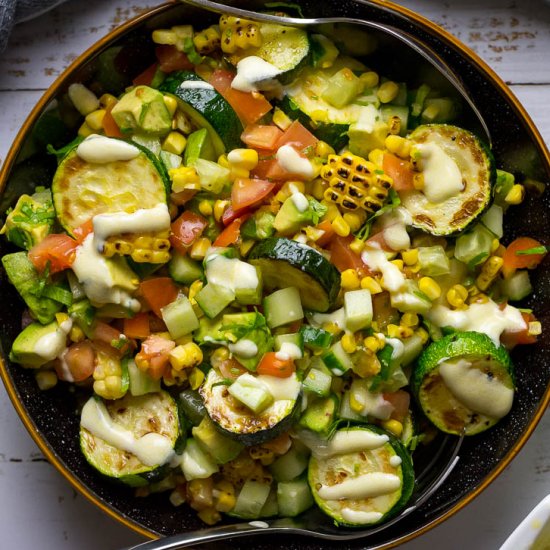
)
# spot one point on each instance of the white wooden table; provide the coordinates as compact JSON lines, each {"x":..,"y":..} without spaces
{"x":38,"y":507}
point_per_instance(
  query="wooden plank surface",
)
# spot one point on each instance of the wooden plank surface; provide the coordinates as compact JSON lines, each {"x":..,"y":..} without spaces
{"x":39,"y":508}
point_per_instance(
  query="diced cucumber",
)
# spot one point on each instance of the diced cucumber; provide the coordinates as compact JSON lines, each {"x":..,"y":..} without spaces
{"x":170,"y":160}
{"x":411,"y":349}
{"x":342,"y":88}
{"x":195,"y":463}
{"x":438,"y":110}
{"x":346,"y":412}
{"x":292,"y":464}
{"x":220,"y":447}
{"x":320,"y":414}
{"x":270,"y":508}
{"x":251,"y":499}
{"x":250,"y":392}
{"x":315,"y":338}
{"x":179,"y":317}
{"x":183,"y":269}
{"x":493,"y":220}
{"x":283,"y":307}
{"x":323,"y":51}
{"x":140,"y":382}
{"x":293,"y":497}
{"x":411,"y":299}
{"x":504,"y":182}
{"x":213,"y":177}
{"x":318,"y":382}
{"x":358,"y":309}
{"x":474,"y":247}
{"x":213,"y":299}
{"x":433,"y":261}
{"x":337,"y":360}
{"x":517,"y":286}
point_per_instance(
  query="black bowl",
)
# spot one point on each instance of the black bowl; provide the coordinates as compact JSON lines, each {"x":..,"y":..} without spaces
{"x":51,"y":416}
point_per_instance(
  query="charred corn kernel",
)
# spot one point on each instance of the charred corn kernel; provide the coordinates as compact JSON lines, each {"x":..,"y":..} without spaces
{"x":183,"y":178}
{"x":108,"y":376}
{"x":354,"y":183}
{"x":355,"y":219}
{"x":108,"y":101}
{"x":186,"y":356}
{"x":199,"y":248}
{"x":393,"y":426}
{"x":210,"y":516}
{"x":398,"y":146}
{"x":356,"y":405}
{"x":370,"y":283}
{"x":394,"y":124}
{"x":237,"y":33}
{"x":164,"y":36}
{"x":350,"y":280}
{"x":225,"y":501}
{"x":323,"y":149}
{"x":410,"y":256}
{"x":152,"y":247}
{"x":205,"y":207}
{"x":387,"y":91}
{"x":348,"y":343}
{"x":418,"y":181}
{"x":246,"y":246}
{"x":207,"y":40}
{"x":373,"y":344}
{"x":357,"y":246}
{"x":85,"y":131}
{"x":246,"y":159}
{"x":456,"y":296}
{"x":423,"y":333}
{"x":489,"y":272}
{"x":398,"y":263}
{"x":220,"y":206}
{"x":76,"y":334}
{"x":340,"y":226}
{"x":182,"y":123}
{"x":369,"y":79}
{"x":399,"y":331}
{"x":281,"y":119}
{"x":95,"y":119}
{"x":515,"y":195}
{"x":45,"y":379}
{"x":429,"y":287}
{"x":171,"y":104}
{"x":534,"y":328}
{"x":174,"y":143}
{"x":83,"y":99}
{"x":196,"y":378}
{"x":376,"y":156}
{"x":177,"y":497}
{"x":409,"y":319}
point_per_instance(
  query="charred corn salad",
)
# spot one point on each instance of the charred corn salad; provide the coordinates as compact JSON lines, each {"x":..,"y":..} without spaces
{"x":273,"y":273}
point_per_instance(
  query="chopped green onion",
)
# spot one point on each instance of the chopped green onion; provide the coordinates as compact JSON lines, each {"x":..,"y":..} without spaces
{"x":535,"y":250}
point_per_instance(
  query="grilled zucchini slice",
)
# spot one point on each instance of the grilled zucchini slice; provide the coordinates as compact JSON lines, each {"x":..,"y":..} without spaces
{"x":464,"y":383}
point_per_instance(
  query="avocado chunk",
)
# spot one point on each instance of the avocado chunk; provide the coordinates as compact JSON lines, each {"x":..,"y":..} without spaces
{"x":220,"y":447}
{"x":142,"y":109}
{"x":38,"y":344}
{"x":294,"y":213}
{"x":199,"y":146}
{"x":24,"y":277}
{"x":368,"y":133}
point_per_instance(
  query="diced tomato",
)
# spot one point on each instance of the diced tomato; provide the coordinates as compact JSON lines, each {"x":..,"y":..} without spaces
{"x":146,"y":77}
{"x":56,"y":250}
{"x":108,"y":335}
{"x":186,"y":229}
{"x":298,"y":136}
{"x":110,"y":127}
{"x":231,"y":233}
{"x":512,"y":260}
{"x":261,"y":136}
{"x":250,"y":107}
{"x":155,"y":351}
{"x":247,"y":192}
{"x":82,"y":231}
{"x":400,"y":171}
{"x":159,"y":292}
{"x":273,"y":366}
{"x":343,"y":257}
{"x":137,"y":326}
{"x":511,"y":339}
{"x":179,"y":199}
{"x":270,"y":169}
{"x":231,"y":369}
{"x":171,"y":59}
{"x":328,"y":230}
{"x":230,"y":215}
{"x":80,"y":360}
{"x":400,"y":401}
{"x":378,"y":240}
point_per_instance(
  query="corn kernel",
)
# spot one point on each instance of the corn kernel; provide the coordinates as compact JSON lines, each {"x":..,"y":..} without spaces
{"x":171,"y":104}
{"x":457,"y":295}
{"x":95,"y":119}
{"x":332,"y":211}
{"x":410,"y":256}
{"x":210,"y":516}
{"x":223,"y":161}
{"x":246,"y":159}
{"x":205,"y":207}
{"x":46,"y":379}
{"x":423,"y":333}
{"x":318,"y":187}
{"x":164,"y":36}
{"x":398,"y":264}
{"x":184,"y":177}
{"x":85,"y":131}
{"x":174,"y":143}
{"x":373,"y":344}
{"x":323,"y":149}
{"x":398,"y":331}
{"x":369,"y":79}
{"x":196,"y":378}
{"x":534,"y":328}
{"x":348,"y":343}
{"x":186,"y":356}
{"x":394,"y":125}
{"x":182,"y":123}
{"x":176,"y":498}
{"x":515,"y":195}
{"x":83,"y":99}
{"x":76,"y":334}
{"x":387,"y":91}
{"x":398,"y":146}
{"x":356,"y":405}
{"x":350,"y":280}
{"x":429,"y":287}
{"x":218,"y":356}
{"x":199,"y":248}
{"x":371,"y":284}
{"x":409,"y":319}
{"x":376,"y":156}
{"x":61,"y":317}
{"x":207,"y":40}
{"x":495,"y":245}
{"x":225,"y":501}
{"x":220,"y":206}
{"x":357,"y":246}
{"x":340,"y":226}
{"x":333,"y":328}
{"x":355,"y":219}
{"x":393,"y":426}
{"x":108,"y":101}
{"x":418,"y":181}
{"x":281,"y":119}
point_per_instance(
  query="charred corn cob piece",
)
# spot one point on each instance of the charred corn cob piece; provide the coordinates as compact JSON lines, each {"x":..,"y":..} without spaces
{"x":355,"y":183}
{"x":207,"y":40}
{"x":108,"y":376}
{"x":237,"y":33}
{"x":151,"y":247}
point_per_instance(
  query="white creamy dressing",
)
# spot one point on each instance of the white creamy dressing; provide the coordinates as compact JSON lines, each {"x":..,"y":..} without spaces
{"x":394,"y":224}
{"x":244,"y":348}
{"x":144,"y":220}
{"x":53,"y":344}
{"x":369,"y":485}
{"x":300,"y":201}
{"x":442,"y":177}
{"x":360,"y":517}
{"x":150,"y":449}
{"x":352,"y":441}
{"x":337,"y":317}
{"x":475,"y":390}
{"x":372,"y":404}
{"x":289,"y":351}
{"x":395,"y":461}
{"x":92,"y":271}
{"x":398,"y":347}
{"x":102,"y":150}
{"x":231,"y":273}
{"x":375,"y":258}
{"x":195,"y":85}
{"x":487,"y":318}
{"x":261,"y":524}
{"x":291,"y":161}
{"x":254,"y":74}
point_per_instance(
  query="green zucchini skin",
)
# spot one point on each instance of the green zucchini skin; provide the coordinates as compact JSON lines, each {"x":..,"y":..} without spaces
{"x":284,"y":262}
{"x":208,"y":109}
{"x":426,"y":380}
